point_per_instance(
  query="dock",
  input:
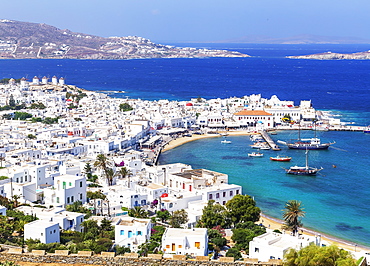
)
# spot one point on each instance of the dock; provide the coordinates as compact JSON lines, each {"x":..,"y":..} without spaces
{"x":269,"y":141}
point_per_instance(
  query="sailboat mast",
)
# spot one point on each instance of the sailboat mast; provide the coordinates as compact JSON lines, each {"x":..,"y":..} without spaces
{"x":306,"y":158}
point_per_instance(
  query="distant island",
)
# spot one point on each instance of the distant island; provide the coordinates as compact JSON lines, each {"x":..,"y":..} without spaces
{"x":335,"y":56}
{"x":24,"y":40}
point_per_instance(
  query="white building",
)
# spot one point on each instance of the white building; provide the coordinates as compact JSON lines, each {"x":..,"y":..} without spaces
{"x":273,"y":245}
{"x":66,"y":220}
{"x":193,"y":242}
{"x":47,"y":232}
{"x":66,"y":190}
{"x":132,"y":232}
{"x":2,"y":210}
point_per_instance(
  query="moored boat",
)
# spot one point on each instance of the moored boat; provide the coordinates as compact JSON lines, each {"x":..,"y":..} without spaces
{"x":255,"y":154}
{"x":303,"y":170}
{"x":226,"y":141}
{"x":281,"y":158}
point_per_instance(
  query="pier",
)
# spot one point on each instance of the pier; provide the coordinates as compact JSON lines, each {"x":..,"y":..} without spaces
{"x":269,"y":141}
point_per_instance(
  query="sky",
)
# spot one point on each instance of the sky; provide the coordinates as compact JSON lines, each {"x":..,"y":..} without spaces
{"x":197,"y":20}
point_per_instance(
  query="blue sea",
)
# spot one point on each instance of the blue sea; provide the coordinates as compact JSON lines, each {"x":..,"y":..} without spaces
{"x":336,"y":201}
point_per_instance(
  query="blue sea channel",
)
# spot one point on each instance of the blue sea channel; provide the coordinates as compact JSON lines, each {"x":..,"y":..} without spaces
{"x":336,"y":201}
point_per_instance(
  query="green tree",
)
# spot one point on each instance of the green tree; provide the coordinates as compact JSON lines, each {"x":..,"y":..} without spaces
{"x":314,"y":255}
{"x":234,"y":252}
{"x":11,"y":100}
{"x":123,"y":172}
{"x":242,"y":208}
{"x":124,"y":107}
{"x":88,"y":170}
{"x":105,"y":227}
{"x":179,"y":218}
{"x":31,"y":136}
{"x":213,"y":215}
{"x":8,"y":263}
{"x":164,"y":215}
{"x":293,"y":213}
{"x":245,"y":233}
{"x":138,"y":212}
{"x":21,"y":115}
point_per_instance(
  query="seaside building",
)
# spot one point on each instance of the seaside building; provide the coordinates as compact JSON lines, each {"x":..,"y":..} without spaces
{"x":273,"y":245}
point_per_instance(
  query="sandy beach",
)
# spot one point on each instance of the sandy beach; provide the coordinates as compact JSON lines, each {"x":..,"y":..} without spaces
{"x":267,"y":221}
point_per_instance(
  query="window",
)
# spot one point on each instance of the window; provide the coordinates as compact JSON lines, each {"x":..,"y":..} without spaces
{"x":57,"y":199}
{"x":224,"y":194}
{"x":237,"y":192}
{"x":217,"y":195}
{"x":167,"y":246}
{"x":72,"y":198}
{"x":80,"y":183}
{"x":64,"y":185}
{"x":122,"y":232}
{"x":231,"y":193}
{"x":70,"y":184}
{"x":256,"y":250}
{"x":139,"y":233}
{"x":180,"y":246}
{"x":197,"y":245}
{"x":42,"y":234}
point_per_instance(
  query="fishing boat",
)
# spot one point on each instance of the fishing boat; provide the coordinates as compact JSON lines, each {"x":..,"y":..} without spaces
{"x":303,"y":170}
{"x":255,"y":154}
{"x":225,"y":141}
{"x":281,"y":158}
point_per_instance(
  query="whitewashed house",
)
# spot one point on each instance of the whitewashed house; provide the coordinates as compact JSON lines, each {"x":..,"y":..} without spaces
{"x":193,"y":242}
{"x":66,"y":190}
{"x":66,"y":220}
{"x":273,"y":245}
{"x":132,"y":232}
{"x":46,"y":231}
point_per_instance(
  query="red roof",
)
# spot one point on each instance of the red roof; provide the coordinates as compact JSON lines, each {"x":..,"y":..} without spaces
{"x":252,"y":113}
{"x":189,"y":104}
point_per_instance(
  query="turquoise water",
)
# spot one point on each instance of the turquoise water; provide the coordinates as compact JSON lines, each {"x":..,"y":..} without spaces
{"x":336,"y":200}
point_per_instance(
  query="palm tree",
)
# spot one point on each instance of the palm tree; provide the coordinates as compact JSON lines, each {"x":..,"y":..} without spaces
{"x":109,"y":175}
{"x":103,"y":163}
{"x":292,"y":215}
{"x":123,"y":172}
{"x":138,"y":212}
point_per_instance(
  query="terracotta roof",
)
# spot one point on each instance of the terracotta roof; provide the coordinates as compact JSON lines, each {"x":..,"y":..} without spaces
{"x":252,"y":112}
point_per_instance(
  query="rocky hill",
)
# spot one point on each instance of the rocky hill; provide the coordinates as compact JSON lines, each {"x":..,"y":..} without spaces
{"x":335,"y":56}
{"x":32,"y":40}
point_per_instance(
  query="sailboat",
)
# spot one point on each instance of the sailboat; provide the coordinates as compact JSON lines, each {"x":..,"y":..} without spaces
{"x":303,"y":170}
{"x":310,"y":144}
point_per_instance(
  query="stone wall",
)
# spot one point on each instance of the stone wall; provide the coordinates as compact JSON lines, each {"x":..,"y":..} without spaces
{"x":109,"y":259}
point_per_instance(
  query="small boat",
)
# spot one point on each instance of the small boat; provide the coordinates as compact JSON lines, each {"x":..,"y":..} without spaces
{"x":281,"y":158}
{"x":226,"y":141}
{"x":224,"y":134}
{"x":260,"y":145}
{"x":303,"y":170}
{"x":367,"y":130}
{"x":255,"y":154}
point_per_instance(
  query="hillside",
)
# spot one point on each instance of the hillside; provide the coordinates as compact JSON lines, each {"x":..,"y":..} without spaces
{"x":335,"y":56}
{"x":19,"y":40}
